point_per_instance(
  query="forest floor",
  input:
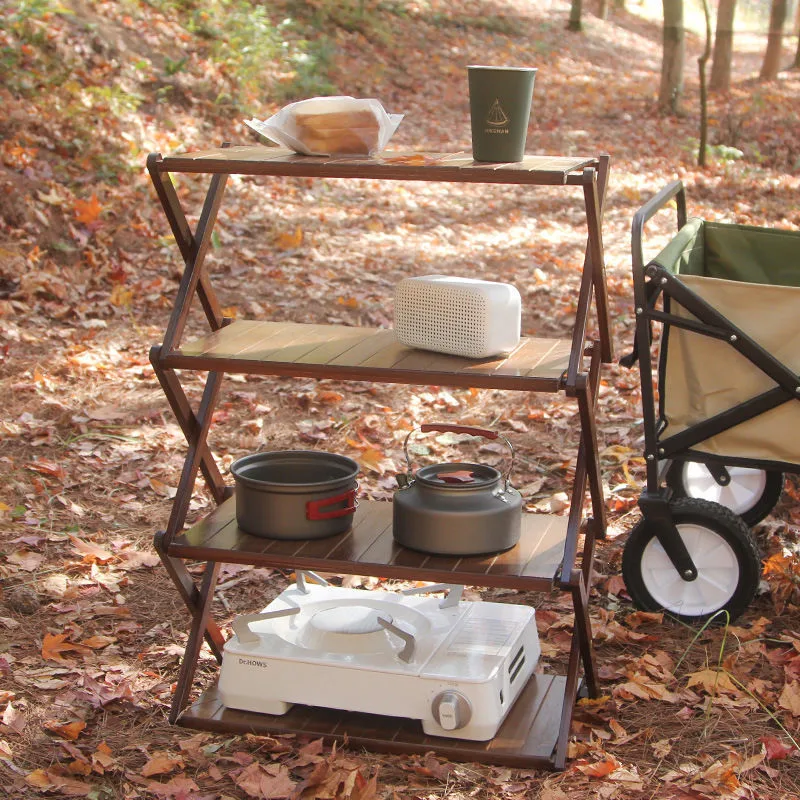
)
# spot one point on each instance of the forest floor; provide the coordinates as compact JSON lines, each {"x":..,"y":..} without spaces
{"x":90,"y":455}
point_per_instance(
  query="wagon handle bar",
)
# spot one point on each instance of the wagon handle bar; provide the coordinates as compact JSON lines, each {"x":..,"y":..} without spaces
{"x":658,"y":201}
{"x":654,"y":204}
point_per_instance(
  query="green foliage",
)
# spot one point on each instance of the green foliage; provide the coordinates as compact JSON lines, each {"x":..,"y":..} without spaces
{"x":22,"y":59}
{"x":719,"y":152}
{"x":174,"y":67}
{"x":310,"y":63}
{"x":723,"y":152}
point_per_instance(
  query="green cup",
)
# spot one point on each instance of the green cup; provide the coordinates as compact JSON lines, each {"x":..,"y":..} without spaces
{"x":499,"y":107}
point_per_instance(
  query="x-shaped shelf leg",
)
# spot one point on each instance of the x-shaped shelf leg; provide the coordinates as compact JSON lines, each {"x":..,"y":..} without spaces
{"x":193,"y":247}
{"x":594,"y":190}
{"x":587,"y":403}
{"x":195,"y":428}
{"x":201,"y":622}
{"x":191,"y":595}
{"x":581,"y":653}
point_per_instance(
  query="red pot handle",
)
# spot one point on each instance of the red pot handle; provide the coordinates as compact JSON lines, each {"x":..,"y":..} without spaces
{"x":313,"y":507}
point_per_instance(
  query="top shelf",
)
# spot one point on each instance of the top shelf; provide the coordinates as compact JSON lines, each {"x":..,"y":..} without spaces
{"x":402,"y":166}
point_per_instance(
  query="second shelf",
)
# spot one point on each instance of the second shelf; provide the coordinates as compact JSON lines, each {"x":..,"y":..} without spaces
{"x":368,"y":548}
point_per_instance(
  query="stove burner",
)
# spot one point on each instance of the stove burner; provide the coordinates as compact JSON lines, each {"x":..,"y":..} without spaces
{"x":349,"y":628}
{"x":356,"y":620}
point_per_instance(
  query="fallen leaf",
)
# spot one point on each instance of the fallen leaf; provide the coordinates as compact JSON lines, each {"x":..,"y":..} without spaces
{"x":25,"y":559}
{"x":599,"y":769}
{"x":180,"y":787}
{"x":39,"y":779}
{"x":54,"y":644}
{"x":644,"y":618}
{"x":775,"y":749}
{"x":268,"y":782}
{"x":13,"y":718}
{"x":790,"y":698}
{"x":45,"y":467}
{"x":712,"y":681}
{"x":98,"y":642}
{"x":290,"y":240}
{"x":68,"y":730}
{"x":87,"y":211}
{"x":160,"y":764}
{"x":161,"y":488}
{"x":92,"y":553}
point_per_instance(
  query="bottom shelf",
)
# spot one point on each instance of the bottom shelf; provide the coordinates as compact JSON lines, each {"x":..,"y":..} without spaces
{"x":527,"y":738}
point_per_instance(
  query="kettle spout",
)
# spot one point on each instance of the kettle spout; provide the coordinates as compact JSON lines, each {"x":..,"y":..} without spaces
{"x":403,"y":480}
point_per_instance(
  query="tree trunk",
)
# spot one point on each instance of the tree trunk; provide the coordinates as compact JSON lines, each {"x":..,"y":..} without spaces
{"x":772,"y":56}
{"x":720,"y":80}
{"x":796,"y":63}
{"x":701,"y":63}
{"x":602,"y":11}
{"x":672,"y":61}
{"x":574,"y":23}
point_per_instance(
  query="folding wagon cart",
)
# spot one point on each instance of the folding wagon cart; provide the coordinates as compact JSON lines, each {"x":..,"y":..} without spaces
{"x":721,"y":413}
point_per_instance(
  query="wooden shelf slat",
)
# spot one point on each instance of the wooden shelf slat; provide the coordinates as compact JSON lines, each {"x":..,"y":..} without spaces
{"x":349,"y":353}
{"x":390,"y":165}
{"x":527,"y":737}
{"x":369,"y":548}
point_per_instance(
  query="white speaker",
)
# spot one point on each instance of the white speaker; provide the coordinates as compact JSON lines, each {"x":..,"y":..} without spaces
{"x":460,"y":316}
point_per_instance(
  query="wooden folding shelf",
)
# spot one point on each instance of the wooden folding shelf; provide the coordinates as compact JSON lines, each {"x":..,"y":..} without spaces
{"x":553,"y":551}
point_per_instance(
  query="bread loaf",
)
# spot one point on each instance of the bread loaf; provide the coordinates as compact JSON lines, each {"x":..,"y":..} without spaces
{"x":353,"y":132}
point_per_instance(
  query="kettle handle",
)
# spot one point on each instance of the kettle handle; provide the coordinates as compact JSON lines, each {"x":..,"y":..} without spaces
{"x":444,"y":427}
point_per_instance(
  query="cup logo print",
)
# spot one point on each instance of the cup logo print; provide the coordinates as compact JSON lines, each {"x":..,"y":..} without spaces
{"x":497,"y":119}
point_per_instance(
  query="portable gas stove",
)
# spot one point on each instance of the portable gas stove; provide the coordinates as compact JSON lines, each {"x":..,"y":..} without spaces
{"x":457,"y":666}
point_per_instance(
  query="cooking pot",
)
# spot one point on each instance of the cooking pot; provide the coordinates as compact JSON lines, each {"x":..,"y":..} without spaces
{"x":457,"y":508}
{"x":295,"y":494}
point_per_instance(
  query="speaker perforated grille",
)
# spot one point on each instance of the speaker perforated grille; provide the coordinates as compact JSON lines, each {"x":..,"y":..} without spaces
{"x":445,"y":318}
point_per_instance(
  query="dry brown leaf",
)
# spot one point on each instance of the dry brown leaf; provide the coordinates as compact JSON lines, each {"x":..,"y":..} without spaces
{"x":39,"y":779}
{"x":91,"y":552}
{"x":790,"y":698}
{"x":45,"y":467}
{"x":160,"y":764}
{"x":13,"y":718}
{"x":775,"y":749}
{"x":599,"y":769}
{"x":51,"y":780}
{"x":87,"y":211}
{"x":163,"y":489}
{"x":80,"y":767}
{"x":103,"y":759}
{"x":67,"y":730}
{"x":712,"y":681}
{"x":54,"y":644}
{"x":269,"y":782}
{"x":180,"y":788}
{"x":25,"y":559}
{"x":98,"y":641}
{"x":644,"y":617}
{"x":290,"y":240}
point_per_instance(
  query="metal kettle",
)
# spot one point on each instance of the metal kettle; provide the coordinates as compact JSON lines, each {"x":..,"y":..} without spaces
{"x":457,"y":508}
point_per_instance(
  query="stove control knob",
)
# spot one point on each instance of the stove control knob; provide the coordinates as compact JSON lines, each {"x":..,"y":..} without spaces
{"x":451,"y":710}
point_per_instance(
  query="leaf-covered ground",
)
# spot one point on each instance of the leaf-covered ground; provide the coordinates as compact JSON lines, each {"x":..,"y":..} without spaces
{"x":92,"y":631}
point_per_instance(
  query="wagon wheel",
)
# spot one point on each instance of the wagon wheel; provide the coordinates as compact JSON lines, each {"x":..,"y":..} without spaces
{"x":751,"y":493}
{"x":722,"y":549}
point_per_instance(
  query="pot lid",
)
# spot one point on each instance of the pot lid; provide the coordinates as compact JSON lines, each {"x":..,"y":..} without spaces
{"x":459,"y":476}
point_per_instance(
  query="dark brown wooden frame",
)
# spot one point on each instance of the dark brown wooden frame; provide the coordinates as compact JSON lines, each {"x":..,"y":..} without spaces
{"x":536,"y":731}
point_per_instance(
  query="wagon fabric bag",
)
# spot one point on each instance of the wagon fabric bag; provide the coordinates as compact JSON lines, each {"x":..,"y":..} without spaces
{"x":751,"y":276}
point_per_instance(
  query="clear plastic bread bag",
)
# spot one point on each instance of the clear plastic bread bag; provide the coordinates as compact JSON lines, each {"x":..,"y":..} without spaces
{"x":326,"y":126}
